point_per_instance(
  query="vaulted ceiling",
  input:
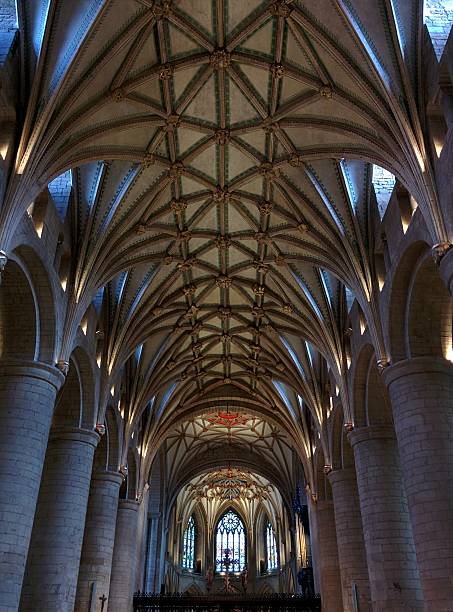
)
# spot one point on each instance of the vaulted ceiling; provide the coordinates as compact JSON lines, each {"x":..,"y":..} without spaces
{"x":220,"y":154}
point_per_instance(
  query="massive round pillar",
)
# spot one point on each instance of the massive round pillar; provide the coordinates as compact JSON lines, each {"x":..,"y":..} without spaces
{"x":27,"y":399}
{"x":421,"y":392}
{"x":327,"y":557}
{"x":53,"y":561}
{"x":351,"y":548}
{"x":98,"y":540}
{"x":122,"y":580}
{"x":387,"y":531}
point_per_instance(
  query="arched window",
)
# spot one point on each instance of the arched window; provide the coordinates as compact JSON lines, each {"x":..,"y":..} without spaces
{"x":271,"y":548}
{"x":230,"y":535}
{"x":188,"y":552}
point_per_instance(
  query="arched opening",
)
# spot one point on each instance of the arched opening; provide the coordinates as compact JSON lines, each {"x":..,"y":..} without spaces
{"x":230,"y":543}
{"x":188,"y":545}
{"x":18,"y":320}
{"x":271,"y":547}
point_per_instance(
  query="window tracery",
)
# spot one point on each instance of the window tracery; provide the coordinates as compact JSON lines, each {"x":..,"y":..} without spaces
{"x":230,"y":535}
{"x":188,"y":554}
{"x":271,"y":548}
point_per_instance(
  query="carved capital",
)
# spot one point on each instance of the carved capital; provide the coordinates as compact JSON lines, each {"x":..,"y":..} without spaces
{"x":189,"y":289}
{"x":165,"y":72}
{"x":187,"y":264}
{"x":148,"y":160}
{"x":382,"y":364}
{"x":221,"y":194}
{"x":118,"y":94}
{"x":100,"y":429}
{"x":296,"y":160}
{"x":222,"y":137}
{"x":225,"y":313}
{"x":263,"y":238}
{"x":176,"y":170}
{"x":172,"y":123}
{"x":178,"y":206}
{"x":277,"y":70}
{"x":325,"y":91}
{"x":223,"y":282}
{"x":265,"y":207}
{"x":223,"y":242}
{"x":258,"y":290}
{"x":63,"y":366}
{"x":268,"y":171}
{"x":281,"y":8}
{"x":161,"y":11}
{"x":220,"y":59}
{"x":439,"y":251}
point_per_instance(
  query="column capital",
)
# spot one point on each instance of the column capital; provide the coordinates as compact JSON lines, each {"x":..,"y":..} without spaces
{"x":32,"y":369}
{"x":341,"y":475}
{"x":446,"y":269}
{"x":371,"y":432}
{"x":128,"y":504}
{"x":108,"y":476}
{"x":417,"y":366}
{"x":76,"y":434}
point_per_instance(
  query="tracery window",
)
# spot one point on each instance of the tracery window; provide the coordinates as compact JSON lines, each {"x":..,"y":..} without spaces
{"x":271,"y":548}
{"x":188,"y":553}
{"x":230,"y":535}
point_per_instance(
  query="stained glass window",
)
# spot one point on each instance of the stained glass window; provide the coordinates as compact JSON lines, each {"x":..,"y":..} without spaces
{"x":271,"y":548}
{"x":230,"y":535}
{"x":188,"y":553}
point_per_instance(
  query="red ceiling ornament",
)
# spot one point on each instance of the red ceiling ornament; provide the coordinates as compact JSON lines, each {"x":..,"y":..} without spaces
{"x":227,"y":419}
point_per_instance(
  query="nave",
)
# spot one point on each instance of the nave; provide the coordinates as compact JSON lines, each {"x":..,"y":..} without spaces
{"x":226,"y":351}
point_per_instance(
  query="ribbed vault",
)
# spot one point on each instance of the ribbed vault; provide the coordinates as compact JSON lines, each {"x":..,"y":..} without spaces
{"x":221,"y":200}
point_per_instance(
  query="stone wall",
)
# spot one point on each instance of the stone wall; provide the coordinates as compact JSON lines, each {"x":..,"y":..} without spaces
{"x":60,"y":190}
{"x":438,"y":16}
{"x":383,"y":182}
{"x":8,"y":15}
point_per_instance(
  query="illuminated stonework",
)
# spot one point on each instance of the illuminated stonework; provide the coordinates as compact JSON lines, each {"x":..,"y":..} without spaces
{"x":229,"y":484}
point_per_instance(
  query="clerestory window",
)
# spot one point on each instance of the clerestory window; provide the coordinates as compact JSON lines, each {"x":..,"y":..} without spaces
{"x":188,"y":553}
{"x":271,"y":548}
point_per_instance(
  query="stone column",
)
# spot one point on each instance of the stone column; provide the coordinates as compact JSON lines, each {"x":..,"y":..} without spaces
{"x":421,"y":392}
{"x":313,"y":539}
{"x":328,"y":564}
{"x":142,"y":526}
{"x":387,"y":531}
{"x":351,"y":548}
{"x":151,"y":555}
{"x":122,"y":580}
{"x":27,"y":399}
{"x":53,"y":561}
{"x":98,"y":540}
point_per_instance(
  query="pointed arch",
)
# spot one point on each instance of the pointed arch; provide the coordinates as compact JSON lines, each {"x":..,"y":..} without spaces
{"x":231,"y":535}
{"x":188,"y":544}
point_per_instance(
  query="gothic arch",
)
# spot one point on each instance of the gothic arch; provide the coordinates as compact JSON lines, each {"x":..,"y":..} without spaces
{"x":429,"y":312}
{"x":19,"y":315}
{"x":371,"y":404}
{"x":44,"y":294}
{"x":342,"y":453}
{"x":112,"y":434}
